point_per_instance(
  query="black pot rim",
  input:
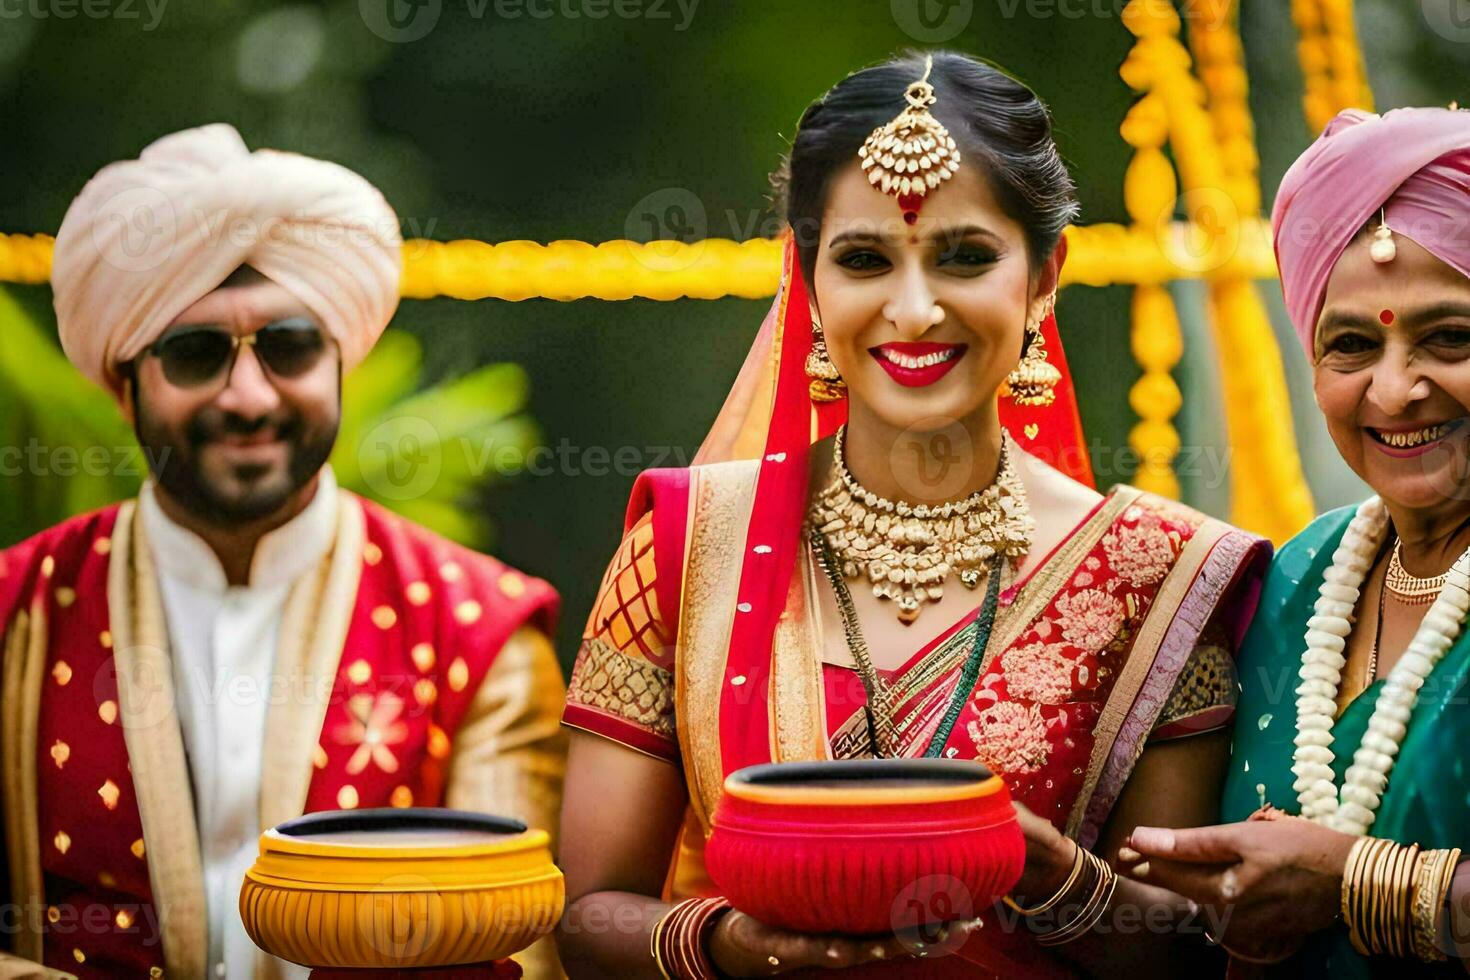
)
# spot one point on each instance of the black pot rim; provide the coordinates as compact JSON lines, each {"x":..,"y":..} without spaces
{"x":395,"y":818}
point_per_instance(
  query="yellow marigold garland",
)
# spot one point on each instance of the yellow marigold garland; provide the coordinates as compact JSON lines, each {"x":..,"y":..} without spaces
{"x":1333,"y":75}
{"x":1269,"y":493}
{"x":1100,"y":255}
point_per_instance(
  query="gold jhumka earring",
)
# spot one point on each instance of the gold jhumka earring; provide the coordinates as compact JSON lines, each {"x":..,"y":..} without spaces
{"x":912,"y":154}
{"x":824,"y":384}
{"x":1033,"y":382}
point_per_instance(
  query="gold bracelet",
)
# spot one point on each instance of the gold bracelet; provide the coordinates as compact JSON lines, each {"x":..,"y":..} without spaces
{"x":1061,"y":893}
{"x":1432,"y":883}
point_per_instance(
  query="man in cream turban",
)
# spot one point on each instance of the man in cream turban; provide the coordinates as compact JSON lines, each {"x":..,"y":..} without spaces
{"x":244,"y":642}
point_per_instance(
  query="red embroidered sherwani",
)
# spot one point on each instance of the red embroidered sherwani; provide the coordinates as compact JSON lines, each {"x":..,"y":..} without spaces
{"x":420,"y":674}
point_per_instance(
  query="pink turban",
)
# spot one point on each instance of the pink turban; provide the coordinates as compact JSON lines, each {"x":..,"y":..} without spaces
{"x":1413,"y":163}
{"x":148,"y":238}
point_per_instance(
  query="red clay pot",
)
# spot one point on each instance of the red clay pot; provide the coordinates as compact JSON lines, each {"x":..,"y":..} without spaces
{"x":863,"y":847}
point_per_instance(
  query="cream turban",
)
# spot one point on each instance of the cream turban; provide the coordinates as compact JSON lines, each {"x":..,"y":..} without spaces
{"x":147,"y":238}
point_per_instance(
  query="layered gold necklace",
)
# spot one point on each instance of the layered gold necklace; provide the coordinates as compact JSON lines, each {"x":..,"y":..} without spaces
{"x":906,"y":552}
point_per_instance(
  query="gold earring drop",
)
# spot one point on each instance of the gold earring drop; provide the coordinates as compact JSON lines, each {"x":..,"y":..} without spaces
{"x":824,"y":384}
{"x":1033,"y":382}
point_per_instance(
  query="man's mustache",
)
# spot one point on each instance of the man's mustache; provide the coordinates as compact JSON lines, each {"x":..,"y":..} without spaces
{"x":208,"y":426}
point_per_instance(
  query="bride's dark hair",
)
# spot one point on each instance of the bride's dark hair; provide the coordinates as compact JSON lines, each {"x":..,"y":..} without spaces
{"x":996,"y":121}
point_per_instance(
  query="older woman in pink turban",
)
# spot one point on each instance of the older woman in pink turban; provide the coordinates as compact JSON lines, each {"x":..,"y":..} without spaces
{"x":1348,"y":768}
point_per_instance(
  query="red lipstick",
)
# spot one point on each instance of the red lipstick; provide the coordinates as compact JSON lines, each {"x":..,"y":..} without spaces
{"x":916,"y":365}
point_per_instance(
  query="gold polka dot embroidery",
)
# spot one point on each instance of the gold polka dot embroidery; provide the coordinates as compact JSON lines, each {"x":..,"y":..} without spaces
{"x":319,"y":757}
{"x":106,"y":879}
{"x":371,"y":553}
{"x":48,"y":565}
{"x":102,"y":546}
{"x":61,"y":673}
{"x":79,"y":956}
{"x":459,"y":674}
{"x":138,"y":848}
{"x":62,"y":841}
{"x":423,"y":656}
{"x":512,"y":585}
{"x":105,"y":638}
{"x":402,"y":797}
{"x":418,"y":593}
{"x":155,"y":972}
{"x":109,"y":793}
{"x":451,"y":572}
{"x":347,"y":798}
{"x":467,"y":612}
{"x":425,"y":692}
{"x":65,"y":596}
{"x":124,"y":919}
{"x":438,"y":742}
{"x":384,"y":617}
{"x":60,"y":752}
{"x":360,"y":672}
{"x":107,"y":711}
{"x":53,"y":914}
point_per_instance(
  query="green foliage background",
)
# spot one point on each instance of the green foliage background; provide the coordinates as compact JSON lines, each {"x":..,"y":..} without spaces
{"x":500,"y":124}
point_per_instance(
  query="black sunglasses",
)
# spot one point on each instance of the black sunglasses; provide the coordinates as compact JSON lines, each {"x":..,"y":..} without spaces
{"x":195,"y":356}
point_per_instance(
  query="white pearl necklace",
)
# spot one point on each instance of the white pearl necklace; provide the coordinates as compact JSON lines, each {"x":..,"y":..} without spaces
{"x":1353,"y":810}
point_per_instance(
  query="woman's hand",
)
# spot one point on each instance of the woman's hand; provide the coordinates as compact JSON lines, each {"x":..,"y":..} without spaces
{"x":1049,"y":858}
{"x":1273,"y":881}
{"x":741,"y":946}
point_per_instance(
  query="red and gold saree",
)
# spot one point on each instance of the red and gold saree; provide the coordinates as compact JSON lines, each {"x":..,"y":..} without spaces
{"x":704,"y":646}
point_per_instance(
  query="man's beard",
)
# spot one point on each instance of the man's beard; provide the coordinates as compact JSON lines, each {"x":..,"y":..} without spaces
{"x":176,"y":462}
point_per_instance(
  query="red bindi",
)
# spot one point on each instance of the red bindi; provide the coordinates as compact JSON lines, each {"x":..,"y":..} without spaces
{"x":1385,"y":317}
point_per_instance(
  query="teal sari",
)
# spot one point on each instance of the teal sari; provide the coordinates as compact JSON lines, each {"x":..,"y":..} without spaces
{"x":1428,"y":797}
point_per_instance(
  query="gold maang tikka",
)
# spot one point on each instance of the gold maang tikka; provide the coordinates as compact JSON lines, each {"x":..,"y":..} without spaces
{"x":912,"y":154}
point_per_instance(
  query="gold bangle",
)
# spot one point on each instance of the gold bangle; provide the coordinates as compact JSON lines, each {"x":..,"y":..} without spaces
{"x":653,"y":949}
{"x":1061,"y":893}
{"x":1378,"y":896}
{"x":1354,"y":890}
{"x":1092,"y":910}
